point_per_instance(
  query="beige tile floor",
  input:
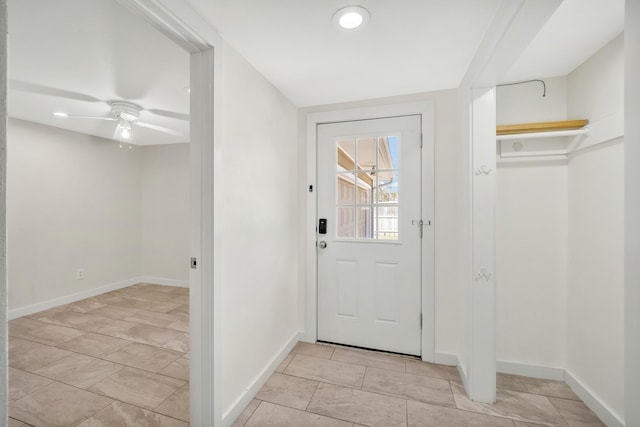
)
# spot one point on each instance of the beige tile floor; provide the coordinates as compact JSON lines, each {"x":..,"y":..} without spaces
{"x":122,"y":359}
{"x":119,"y":359}
{"x":322,"y":385}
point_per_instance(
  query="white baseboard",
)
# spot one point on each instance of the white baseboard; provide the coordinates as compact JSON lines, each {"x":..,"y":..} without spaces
{"x":533,"y":371}
{"x":238,"y":406}
{"x":445,"y":359}
{"x":605,"y":413}
{"x":451,"y":360}
{"x":610,"y":418}
{"x":463,"y":376}
{"x":165,"y":282}
{"x":67,"y":299}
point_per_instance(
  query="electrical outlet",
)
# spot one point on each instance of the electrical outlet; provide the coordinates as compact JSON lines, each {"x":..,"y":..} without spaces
{"x":80,"y":273}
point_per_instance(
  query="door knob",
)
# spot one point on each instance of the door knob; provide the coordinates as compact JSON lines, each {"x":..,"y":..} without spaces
{"x":322,"y":244}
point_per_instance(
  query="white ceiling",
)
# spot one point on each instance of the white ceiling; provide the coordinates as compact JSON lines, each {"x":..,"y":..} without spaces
{"x":577,"y":30}
{"x":74,"y":55}
{"x":409,"y":46}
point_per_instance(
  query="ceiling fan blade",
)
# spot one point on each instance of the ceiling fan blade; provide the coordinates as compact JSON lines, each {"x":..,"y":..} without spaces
{"x":170,"y":114}
{"x":110,"y":119}
{"x":50,"y":91}
{"x":158,"y":128}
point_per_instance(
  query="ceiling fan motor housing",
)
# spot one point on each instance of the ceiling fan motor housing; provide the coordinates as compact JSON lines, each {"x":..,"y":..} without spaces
{"x":127,"y":111}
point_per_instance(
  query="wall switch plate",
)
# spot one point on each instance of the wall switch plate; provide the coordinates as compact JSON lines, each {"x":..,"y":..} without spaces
{"x":80,"y":273}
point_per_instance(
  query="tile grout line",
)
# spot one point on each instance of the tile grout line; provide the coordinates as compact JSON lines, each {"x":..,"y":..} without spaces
{"x":45,"y":322}
{"x":105,"y":360}
{"x":119,"y":366}
{"x":356,"y":364}
{"x":307,"y":412}
{"x":114,"y":399}
{"x":406,"y":408}
{"x":94,"y":332}
{"x":311,"y":398}
{"x":363,"y":377}
{"x":99,"y":410}
{"x":513,"y":420}
{"x":252,"y":412}
{"x":558,"y":410}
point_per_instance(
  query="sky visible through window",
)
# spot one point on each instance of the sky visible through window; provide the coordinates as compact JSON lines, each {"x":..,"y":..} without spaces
{"x":395,"y":153}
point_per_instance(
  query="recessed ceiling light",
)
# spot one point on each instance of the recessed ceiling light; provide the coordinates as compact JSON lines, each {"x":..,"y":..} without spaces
{"x":351,"y":17}
{"x":61,"y":114}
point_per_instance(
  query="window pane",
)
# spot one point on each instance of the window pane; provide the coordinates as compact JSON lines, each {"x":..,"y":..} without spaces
{"x":394,"y":150}
{"x":346,"y":189}
{"x":387,"y":191}
{"x":365,"y":186}
{"x":366,"y":156}
{"x":346,"y":154}
{"x":367,"y":181}
{"x":387,"y":222}
{"x":365,"y":222}
{"x":345,"y":223}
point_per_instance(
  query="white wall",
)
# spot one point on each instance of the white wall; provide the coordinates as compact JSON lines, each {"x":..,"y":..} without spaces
{"x":3,"y":170}
{"x":632,"y":212}
{"x":73,"y":202}
{"x":259,"y":254}
{"x":464,"y":218}
{"x":531,"y":237}
{"x":595,"y":328}
{"x":80,"y":202}
{"x":524,"y":103}
{"x":531,"y":264}
{"x":165,"y":212}
{"x":449,"y":323}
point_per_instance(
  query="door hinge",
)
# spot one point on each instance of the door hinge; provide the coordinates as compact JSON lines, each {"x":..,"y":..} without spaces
{"x":420,"y":320}
{"x":421,"y":140}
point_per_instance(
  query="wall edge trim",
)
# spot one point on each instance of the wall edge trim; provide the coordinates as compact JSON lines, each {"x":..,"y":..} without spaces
{"x":606,"y":414}
{"x":446,"y":359}
{"x":532,"y":371}
{"x":152,"y":280}
{"x":250,"y":392}
{"x":67,"y":299}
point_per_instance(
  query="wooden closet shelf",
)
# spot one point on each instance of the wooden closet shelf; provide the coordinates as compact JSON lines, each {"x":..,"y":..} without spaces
{"x":540,"y":127}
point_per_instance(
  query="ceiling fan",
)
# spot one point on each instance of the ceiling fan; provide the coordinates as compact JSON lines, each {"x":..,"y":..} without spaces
{"x":126,"y":114}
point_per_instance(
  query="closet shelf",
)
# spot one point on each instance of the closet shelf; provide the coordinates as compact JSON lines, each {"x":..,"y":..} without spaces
{"x":541,"y":127}
{"x":550,"y":141}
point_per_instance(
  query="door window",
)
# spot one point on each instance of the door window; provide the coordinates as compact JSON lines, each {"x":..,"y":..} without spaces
{"x":367,"y":177}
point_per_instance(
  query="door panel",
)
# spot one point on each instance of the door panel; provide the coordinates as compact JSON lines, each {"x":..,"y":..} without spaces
{"x":369,"y":290}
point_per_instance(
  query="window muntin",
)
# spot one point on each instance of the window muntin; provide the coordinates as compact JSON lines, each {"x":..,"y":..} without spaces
{"x":367,"y":197}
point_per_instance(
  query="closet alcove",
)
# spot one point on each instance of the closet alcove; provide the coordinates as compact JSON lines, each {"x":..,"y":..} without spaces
{"x":559,"y":236}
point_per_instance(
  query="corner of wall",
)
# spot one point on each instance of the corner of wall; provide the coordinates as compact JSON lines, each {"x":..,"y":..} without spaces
{"x":632,"y":213}
{"x":3,"y":215}
{"x":259,"y":380}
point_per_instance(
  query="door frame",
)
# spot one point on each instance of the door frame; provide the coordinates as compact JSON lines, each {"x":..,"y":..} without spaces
{"x":183,"y":25}
{"x":426,"y":110}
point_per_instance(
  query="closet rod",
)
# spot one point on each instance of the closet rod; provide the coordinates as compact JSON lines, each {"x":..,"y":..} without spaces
{"x":519,"y":136}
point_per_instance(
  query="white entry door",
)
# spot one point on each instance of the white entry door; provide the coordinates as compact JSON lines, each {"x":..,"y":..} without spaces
{"x":369,"y":231}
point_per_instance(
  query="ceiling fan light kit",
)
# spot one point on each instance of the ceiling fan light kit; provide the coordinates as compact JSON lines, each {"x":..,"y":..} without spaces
{"x":124,"y":110}
{"x":125,"y":114}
